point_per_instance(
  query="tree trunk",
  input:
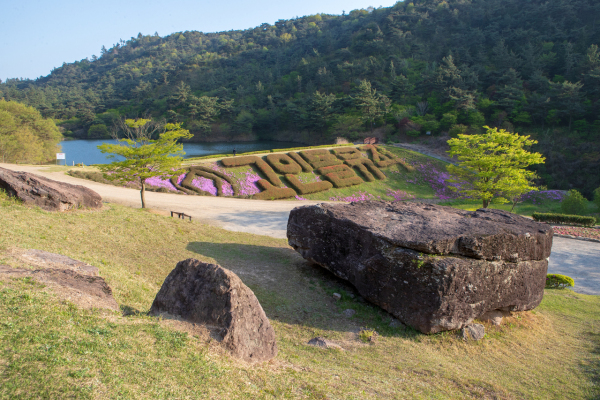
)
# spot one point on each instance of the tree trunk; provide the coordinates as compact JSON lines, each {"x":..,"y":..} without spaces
{"x":486,"y":203}
{"x":143,"y":192}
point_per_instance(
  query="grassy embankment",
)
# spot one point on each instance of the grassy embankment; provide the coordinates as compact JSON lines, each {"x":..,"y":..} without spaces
{"x":52,"y":349}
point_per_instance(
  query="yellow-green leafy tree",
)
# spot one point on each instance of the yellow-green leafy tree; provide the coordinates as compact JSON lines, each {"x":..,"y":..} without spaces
{"x":493,"y":166}
{"x":25,"y":136}
{"x":144,"y":156}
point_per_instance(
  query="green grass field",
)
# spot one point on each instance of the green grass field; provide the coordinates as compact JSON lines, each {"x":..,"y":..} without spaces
{"x":52,"y":349}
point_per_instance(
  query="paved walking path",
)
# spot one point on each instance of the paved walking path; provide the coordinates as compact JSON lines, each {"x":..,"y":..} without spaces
{"x":578,"y":259}
{"x":575,"y":258}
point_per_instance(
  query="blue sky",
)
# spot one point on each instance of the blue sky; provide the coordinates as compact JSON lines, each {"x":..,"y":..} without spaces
{"x":36,"y":35}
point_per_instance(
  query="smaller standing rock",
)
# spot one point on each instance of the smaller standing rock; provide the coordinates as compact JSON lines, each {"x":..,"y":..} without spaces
{"x":337,"y":296}
{"x":216,"y":297}
{"x":473,"y":331}
{"x":323,"y":343}
{"x":349,"y":313}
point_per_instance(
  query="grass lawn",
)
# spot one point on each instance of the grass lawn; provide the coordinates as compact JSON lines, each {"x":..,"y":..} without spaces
{"x":52,"y":349}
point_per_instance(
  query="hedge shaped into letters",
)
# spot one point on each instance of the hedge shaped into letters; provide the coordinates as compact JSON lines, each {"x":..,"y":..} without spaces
{"x":261,"y":165}
{"x":271,"y":192}
{"x":217,"y":175}
{"x":187,"y":183}
{"x":320,"y":158}
{"x":348,"y":153}
{"x":382,"y":158}
{"x":340,"y":175}
{"x":296,"y":157}
{"x":367,"y":168}
{"x":283,"y":164}
{"x":173,"y":180}
{"x":307,"y":188}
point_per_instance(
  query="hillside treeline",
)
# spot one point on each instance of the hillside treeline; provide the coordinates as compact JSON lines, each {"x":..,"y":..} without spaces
{"x":423,"y":66}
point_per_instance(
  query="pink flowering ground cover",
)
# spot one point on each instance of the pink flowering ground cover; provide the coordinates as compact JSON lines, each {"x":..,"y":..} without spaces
{"x":358,"y":196}
{"x":590,"y":233}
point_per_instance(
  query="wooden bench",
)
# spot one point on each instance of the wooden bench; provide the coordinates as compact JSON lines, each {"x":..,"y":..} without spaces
{"x":181,"y":215}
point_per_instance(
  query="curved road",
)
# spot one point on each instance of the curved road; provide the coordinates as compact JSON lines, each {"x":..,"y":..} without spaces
{"x":577,"y":259}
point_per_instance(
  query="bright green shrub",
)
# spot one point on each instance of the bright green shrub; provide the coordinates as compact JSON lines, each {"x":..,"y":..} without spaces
{"x":557,"y":281}
{"x":283,"y":164}
{"x":340,"y":175}
{"x":307,"y":188}
{"x":574,"y":203}
{"x":413,"y":133}
{"x":367,"y":168}
{"x":564,"y":219}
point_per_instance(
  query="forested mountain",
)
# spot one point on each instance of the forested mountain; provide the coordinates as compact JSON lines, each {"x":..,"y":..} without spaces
{"x":428,"y":65}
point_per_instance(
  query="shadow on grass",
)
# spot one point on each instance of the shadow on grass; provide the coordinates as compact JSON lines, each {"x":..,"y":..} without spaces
{"x":294,"y":291}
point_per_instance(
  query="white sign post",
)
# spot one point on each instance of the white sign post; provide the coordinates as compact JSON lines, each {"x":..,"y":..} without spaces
{"x":60,"y":156}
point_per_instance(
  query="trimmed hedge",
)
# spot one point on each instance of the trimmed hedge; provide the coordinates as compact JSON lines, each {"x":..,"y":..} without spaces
{"x":296,"y":157}
{"x":271,"y":192}
{"x":350,"y":153}
{"x":340,"y":175}
{"x":320,"y":158}
{"x":381,"y":159}
{"x":564,"y":219}
{"x":173,"y":180}
{"x":307,"y":188}
{"x":557,"y":281}
{"x":367,"y":168}
{"x":187,"y":183}
{"x":228,"y":179}
{"x":261,"y":165}
{"x":283,"y":164}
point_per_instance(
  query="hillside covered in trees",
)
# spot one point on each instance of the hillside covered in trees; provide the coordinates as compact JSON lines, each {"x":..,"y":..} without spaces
{"x":531,"y":66}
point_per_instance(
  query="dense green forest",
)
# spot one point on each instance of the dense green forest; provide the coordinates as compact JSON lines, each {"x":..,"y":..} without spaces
{"x":439,"y":66}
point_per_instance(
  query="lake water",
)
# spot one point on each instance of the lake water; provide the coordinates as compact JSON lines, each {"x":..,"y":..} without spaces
{"x":86,"y":151}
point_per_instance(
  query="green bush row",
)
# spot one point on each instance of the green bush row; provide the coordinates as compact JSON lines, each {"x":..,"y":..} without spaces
{"x":564,"y":219}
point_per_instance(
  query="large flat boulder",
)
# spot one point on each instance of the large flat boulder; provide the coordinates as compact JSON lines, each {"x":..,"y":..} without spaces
{"x":216,"y":297}
{"x":434,"y":268}
{"x":46,"y":193}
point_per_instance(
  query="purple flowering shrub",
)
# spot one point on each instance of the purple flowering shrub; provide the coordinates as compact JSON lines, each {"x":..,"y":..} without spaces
{"x":358,"y":196}
{"x":399,"y":195}
{"x":542,"y":196}
{"x":438,"y":179}
{"x":163,"y":182}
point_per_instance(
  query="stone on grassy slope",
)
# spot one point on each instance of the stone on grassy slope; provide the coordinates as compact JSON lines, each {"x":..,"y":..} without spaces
{"x":434,"y":268}
{"x":216,"y":297}
{"x":46,"y":193}
{"x":84,"y":290}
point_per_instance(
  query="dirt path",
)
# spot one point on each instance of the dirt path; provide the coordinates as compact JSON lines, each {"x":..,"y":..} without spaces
{"x":252,"y":216}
